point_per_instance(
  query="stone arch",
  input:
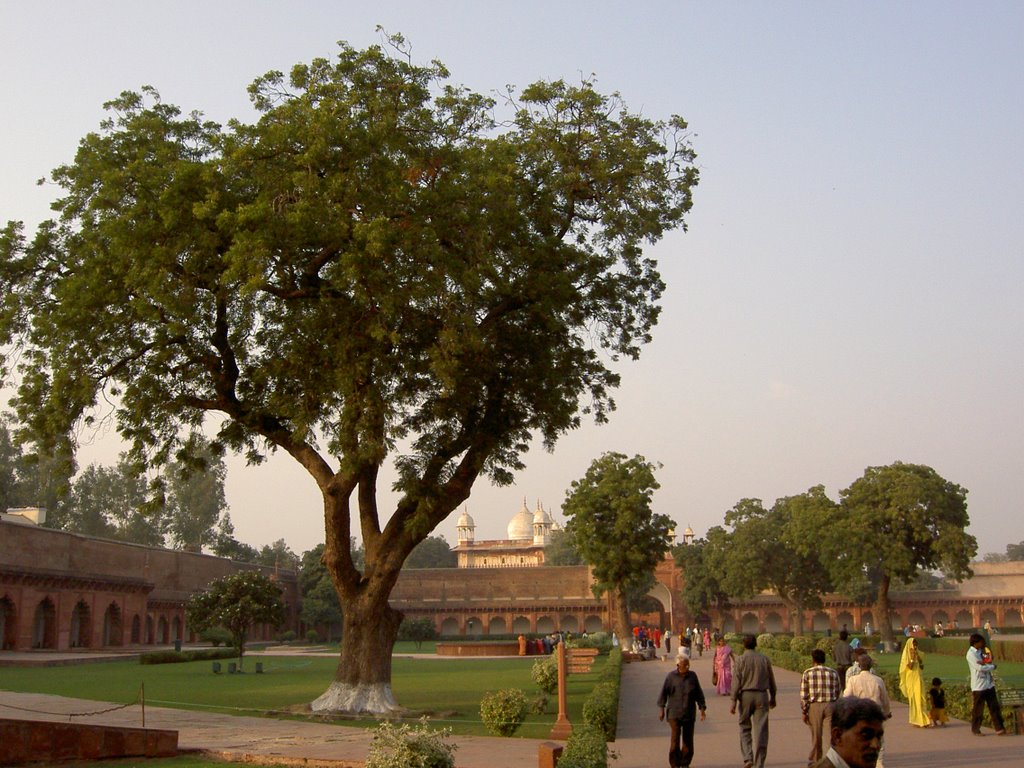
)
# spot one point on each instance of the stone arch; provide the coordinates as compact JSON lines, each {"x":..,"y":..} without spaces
{"x":8,"y":624}
{"x":938,"y":616}
{"x":136,"y":636}
{"x":150,"y":630}
{"x":728,"y":623}
{"x":1012,"y":618}
{"x":545,"y":625}
{"x":916,"y":618}
{"x":176,"y":626}
{"x":44,"y":625}
{"x":964,"y":619}
{"x":845,"y":617}
{"x":569,"y":623}
{"x":592,"y":624}
{"x":162,"y":631}
{"x":773,"y":623}
{"x":521,"y":625}
{"x":112,"y":630}
{"x":81,"y":625}
{"x":988,"y":615}
{"x":450,"y":627}
{"x":749,"y":624}
{"x":868,"y":619}
{"x":474,"y":626}
{"x":663,"y":595}
{"x":820,"y":621}
{"x":497,"y":626}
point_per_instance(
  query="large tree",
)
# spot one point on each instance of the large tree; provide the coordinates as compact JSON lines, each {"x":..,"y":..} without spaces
{"x":114,"y":502}
{"x":614,"y":528}
{"x":376,"y":267}
{"x":893,"y":522}
{"x":432,"y":552}
{"x":701,"y":564}
{"x":194,"y":496}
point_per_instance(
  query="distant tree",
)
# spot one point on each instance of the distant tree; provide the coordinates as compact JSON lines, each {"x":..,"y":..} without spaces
{"x":320,"y":605}
{"x":1015,"y":551}
{"x":700,"y":563}
{"x":995,"y":557}
{"x":895,"y":521}
{"x":237,"y":603}
{"x":561,"y":550}
{"x":226,"y":545}
{"x":432,"y":552}
{"x":114,"y":502}
{"x":10,"y":458}
{"x":417,"y":631}
{"x":194,"y":496}
{"x":278,"y":555}
{"x":34,"y":480}
{"x":613,"y":526}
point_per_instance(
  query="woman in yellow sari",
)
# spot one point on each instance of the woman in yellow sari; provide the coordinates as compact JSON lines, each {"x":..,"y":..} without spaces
{"x":912,"y":683}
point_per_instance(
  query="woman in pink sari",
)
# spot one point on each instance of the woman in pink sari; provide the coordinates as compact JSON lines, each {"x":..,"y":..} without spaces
{"x":722,"y":675}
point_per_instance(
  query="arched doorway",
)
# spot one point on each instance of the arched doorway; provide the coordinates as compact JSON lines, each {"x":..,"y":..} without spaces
{"x":662,"y":594}
{"x":497,"y":626}
{"x":150,"y":632}
{"x":162,"y":634}
{"x":136,"y":630}
{"x":112,"y":630}
{"x":773,"y":623}
{"x":569,"y":624}
{"x":545,"y":625}
{"x":8,"y":624}
{"x":592,"y":624}
{"x":749,"y":624}
{"x":520,"y":625}
{"x":44,"y":625}
{"x":81,"y":625}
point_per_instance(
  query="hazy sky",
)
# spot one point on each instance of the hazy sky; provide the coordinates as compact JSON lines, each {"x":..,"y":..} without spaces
{"x":850,"y":291}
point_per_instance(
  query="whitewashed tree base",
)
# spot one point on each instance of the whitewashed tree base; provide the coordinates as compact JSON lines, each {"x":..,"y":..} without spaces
{"x":375,"y":699}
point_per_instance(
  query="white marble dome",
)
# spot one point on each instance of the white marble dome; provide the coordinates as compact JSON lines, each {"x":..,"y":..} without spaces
{"x":521,"y":526}
{"x":465,"y":521}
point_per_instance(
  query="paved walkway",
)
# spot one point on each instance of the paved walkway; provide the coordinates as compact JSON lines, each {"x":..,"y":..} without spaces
{"x":642,"y":740}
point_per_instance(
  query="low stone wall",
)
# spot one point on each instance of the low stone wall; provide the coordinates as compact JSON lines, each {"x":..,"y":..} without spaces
{"x":23,"y":742}
{"x":478,"y":649}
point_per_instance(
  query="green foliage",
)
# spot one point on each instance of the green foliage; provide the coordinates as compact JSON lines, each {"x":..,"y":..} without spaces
{"x":766,"y":640}
{"x":216,"y":636}
{"x":701,"y":562}
{"x":601,"y":709}
{"x":226,"y":545}
{"x":613,"y":526}
{"x":432,"y":552}
{"x":539,"y":705}
{"x":503,"y":711}
{"x":825,"y":644}
{"x":312,"y":636}
{"x":237,"y":602}
{"x":561,"y":550}
{"x":487,"y":273}
{"x":113,"y":502}
{"x":406,"y":746}
{"x":782,"y":642}
{"x":287,"y":637}
{"x":600,"y":640}
{"x":545,"y":675}
{"x":194,"y":500}
{"x":417,"y":630}
{"x":802,"y":645}
{"x":585,"y":748}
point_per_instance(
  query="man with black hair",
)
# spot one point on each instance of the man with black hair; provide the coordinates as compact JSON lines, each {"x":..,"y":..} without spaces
{"x":819,"y":689}
{"x":681,"y":696}
{"x":753,"y":692}
{"x":842,"y":654}
{"x":857,"y":727}
{"x":983,"y":688}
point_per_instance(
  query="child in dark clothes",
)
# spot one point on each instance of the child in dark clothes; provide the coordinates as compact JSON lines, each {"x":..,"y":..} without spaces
{"x":938,"y":696}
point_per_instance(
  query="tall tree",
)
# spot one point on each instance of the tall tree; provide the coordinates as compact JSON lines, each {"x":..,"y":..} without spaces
{"x":10,"y":458}
{"x":278,"y":555}
{"x":237,"y":602}
{"x":1015,"y":551}
{"x":114,"y":502}
{"x":615,"y":530}
{"x":194,"y":494}
{"x":701,"y":563}
{"x":764,"y":552}
{"x":226,"y":545}
{"x":895,"y":521}
{"x":561,"y":550}
{"x":376,"y":259}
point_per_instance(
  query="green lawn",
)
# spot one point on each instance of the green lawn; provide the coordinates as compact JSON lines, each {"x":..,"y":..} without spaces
{"x":451,"y":688}
{"x":951,"y":669}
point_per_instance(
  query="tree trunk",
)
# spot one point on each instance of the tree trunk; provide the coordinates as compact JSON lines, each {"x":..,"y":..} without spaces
{"x":362,"y":681}
{"x":799,"y":613}
{"x":620,"y":617}
{"x":882,"y":614}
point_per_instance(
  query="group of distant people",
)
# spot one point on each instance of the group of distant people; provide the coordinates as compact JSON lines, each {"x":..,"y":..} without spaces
{"x":845,"y":707}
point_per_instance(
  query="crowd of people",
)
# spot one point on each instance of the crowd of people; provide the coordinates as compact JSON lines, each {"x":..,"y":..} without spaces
{"x":845,"y":706}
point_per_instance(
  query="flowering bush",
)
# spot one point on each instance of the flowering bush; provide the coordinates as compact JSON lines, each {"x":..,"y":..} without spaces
{"x":503,"y":711}
{"x":545,"y":675}
{"x":404,"y":746}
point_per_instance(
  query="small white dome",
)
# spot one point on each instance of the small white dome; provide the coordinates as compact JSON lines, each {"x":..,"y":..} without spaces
{"x":465,"y":521}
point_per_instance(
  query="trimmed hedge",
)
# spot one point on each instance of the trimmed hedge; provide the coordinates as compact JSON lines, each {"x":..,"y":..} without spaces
{"x":179,"y":657}
{"x":601,"y":707}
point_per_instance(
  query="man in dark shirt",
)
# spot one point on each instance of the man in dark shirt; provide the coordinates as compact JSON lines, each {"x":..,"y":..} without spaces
{"x":753,"y":691}
{"x":681,"y":696}
{"x":841,"y":652}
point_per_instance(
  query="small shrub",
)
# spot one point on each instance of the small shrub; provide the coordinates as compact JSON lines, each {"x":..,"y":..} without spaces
{"x":215,"y":636}
{"x":312,"y":637}
{"x":173,"y":657}
{"x":545,"y":675}
{"x":405,"y":746}
{"x":802,"y":645}
{"x":825,"y":644}
{"x":601,"y":709}
{"x":766,"y":640}
{"x":782,"y":642}
{"x":503,"y":711}
{"x":540,"y":705}
{"x":288,"y":637}
{"x":600,"y":640}
{"x":585,"y":748}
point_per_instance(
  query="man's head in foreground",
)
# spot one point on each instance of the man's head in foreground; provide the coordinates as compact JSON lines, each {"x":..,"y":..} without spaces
{"x":857,"y":728}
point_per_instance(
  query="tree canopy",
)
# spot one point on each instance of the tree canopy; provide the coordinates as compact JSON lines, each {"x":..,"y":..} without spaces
{"x":378,"y":269}
{"x":237,"y":603}
{"x":614,"y":528}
